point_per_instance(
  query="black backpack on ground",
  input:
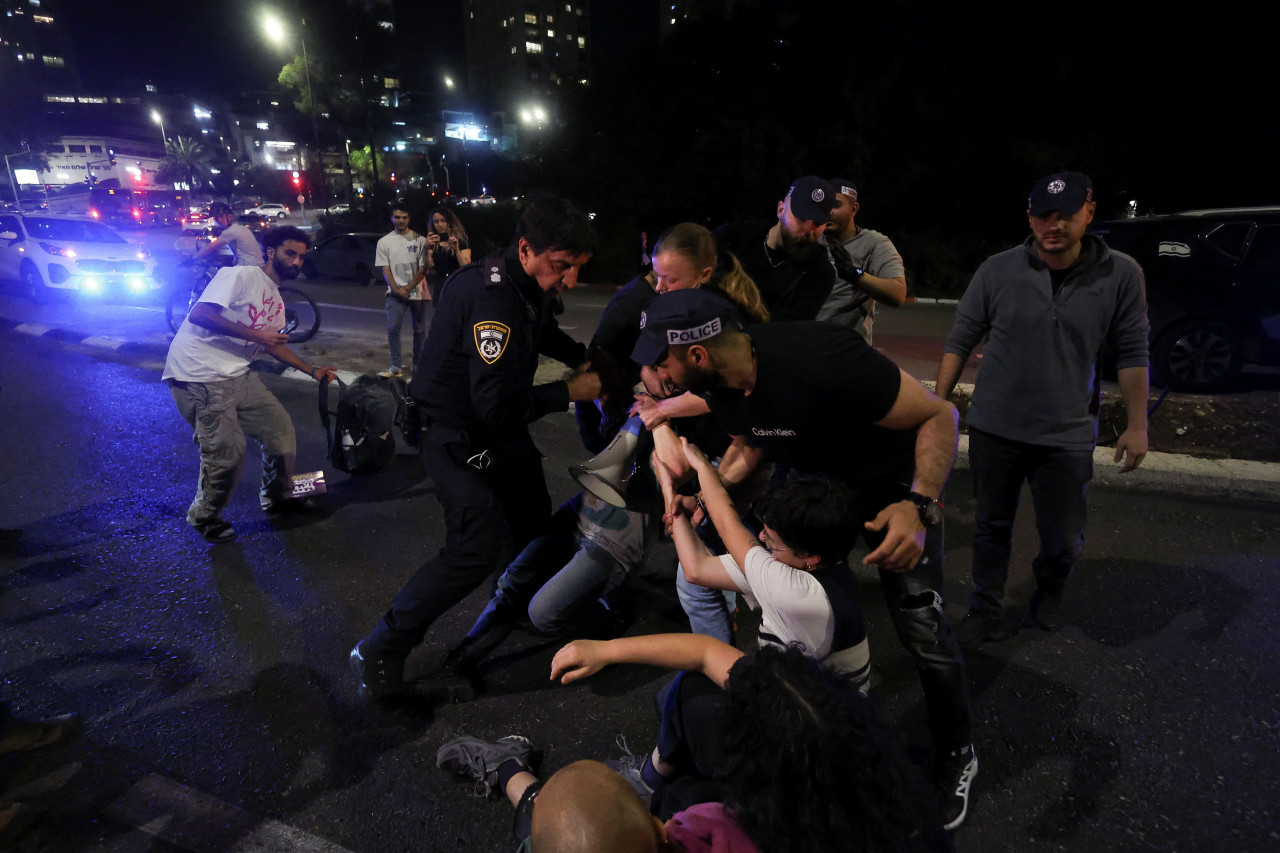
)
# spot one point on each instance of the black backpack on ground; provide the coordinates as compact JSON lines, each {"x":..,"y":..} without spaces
{"x":408,"y":417}
{"x":360,"y":435}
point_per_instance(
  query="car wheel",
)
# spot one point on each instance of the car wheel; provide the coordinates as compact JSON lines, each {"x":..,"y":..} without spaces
{"x":280,"y":216}
{"x":1199,"y":356}
{"x":364,"y":275}
{"x":34,"y":284}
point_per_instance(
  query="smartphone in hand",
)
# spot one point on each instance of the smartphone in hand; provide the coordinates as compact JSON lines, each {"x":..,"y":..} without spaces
{"x":289,"y":326}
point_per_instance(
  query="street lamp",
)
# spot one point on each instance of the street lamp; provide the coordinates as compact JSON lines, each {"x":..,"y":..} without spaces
{"x":159,"y":119}
{"x":275,"y":31}
{"x":448,"y":83}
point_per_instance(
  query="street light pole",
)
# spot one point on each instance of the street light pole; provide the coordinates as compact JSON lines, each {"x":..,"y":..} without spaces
{"x":159,"y":119}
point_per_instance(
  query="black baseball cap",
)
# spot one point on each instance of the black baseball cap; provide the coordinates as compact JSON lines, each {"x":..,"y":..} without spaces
{"x":681,"y":317}
{"x":844,"y":186}
{"x":812,"y":198}
{"x":1063,"y":191}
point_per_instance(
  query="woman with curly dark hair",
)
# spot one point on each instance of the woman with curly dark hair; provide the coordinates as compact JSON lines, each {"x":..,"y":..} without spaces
{"x":448,"y":248}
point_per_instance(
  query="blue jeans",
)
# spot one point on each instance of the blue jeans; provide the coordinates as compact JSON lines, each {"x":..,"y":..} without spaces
{"x":417,"y":311}
{"x":1059,"y":481}
{"x":710,"y":611}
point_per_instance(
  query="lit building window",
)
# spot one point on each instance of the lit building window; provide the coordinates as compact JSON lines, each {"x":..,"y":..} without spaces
{"x":151,"y":87}
{"x":262,"y":125}
{"x":388,"y":26}
{"x":533,"y":47}
{"x":42,"y":19}
{"x":55,"y":62}
{"x":582,"y":41}
{"x":551,"y":34}
{"x":551,"y":19}
{"x":391,"y":83}
{"x":530,"y":18}
{"x":513,"y":48}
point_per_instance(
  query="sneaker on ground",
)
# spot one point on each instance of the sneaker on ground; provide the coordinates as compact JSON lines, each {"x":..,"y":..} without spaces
{"x":390,"y":373}
{"x":214,"y":530}
{"x":480,"y":759}
{"x":955,"y":778}
{"x":628,"y":767}
{"x":290,"y":506}
{"x":978,"y":628}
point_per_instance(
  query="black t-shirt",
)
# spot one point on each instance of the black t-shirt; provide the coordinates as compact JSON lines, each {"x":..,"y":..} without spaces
{"x":793,"y":290}
{"x":446,"y":262}
{"x":819,"y":391}
{"x":619,"y":327}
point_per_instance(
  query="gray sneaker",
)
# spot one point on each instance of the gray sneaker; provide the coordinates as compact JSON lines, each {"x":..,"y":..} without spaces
{"x":628,"y":767}
{"x":480,"y":759}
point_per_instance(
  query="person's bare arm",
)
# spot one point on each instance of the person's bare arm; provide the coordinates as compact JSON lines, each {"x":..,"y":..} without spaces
{"x":208,"y":315}
{"x":937,"y":432}
{"x":701,"y":567}
{"x":738,"y":540}
{"x":890,"y":291}
{"x":949,"y":370}
{"x":1131,"y":446}
{"x":689,"y":652}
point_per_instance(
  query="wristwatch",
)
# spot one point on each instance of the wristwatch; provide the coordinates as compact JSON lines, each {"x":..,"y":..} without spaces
{"x":858,"y":272}
{"x":930,"y":509}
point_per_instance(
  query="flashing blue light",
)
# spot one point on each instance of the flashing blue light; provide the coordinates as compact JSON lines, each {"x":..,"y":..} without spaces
{"x":92,"y":284}
{"x":137,"y":284}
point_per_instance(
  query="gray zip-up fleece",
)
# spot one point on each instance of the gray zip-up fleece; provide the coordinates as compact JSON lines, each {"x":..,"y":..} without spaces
{"x":1038,"y":368}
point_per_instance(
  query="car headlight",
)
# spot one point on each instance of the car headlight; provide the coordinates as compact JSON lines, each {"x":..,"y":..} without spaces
{"x":58,"y":250}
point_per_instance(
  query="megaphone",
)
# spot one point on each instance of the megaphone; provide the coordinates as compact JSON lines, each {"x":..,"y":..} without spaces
{"x":607,"y":474}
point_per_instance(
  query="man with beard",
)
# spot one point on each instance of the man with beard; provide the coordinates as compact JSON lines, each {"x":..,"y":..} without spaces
{"x":874,"y":272}
{"x":239,"y":314}
{"x":786,"y":258}
{"x":1046,"y":308}
{"x":815,"y":398}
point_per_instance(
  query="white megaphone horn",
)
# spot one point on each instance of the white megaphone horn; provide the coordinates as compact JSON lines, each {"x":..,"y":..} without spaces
{"x":607,"y":474}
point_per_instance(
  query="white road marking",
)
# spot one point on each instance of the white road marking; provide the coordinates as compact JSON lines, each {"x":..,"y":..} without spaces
{"x":193,"y":820}
{"x":33,"y":329}
{"x":100,"y":341}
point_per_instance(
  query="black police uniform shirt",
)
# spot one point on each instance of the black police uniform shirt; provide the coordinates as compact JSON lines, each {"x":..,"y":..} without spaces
{"x":792,"y":290}
{"x":477,"y":365}
{"x":819,"y":391}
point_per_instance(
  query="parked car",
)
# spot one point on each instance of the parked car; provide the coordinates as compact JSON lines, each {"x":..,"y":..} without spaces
{"x":49,"y":253}
{"x":1213,"y":291}
{"x":279,"y":211}
{"x":347,"y":255}
{"x":256,"y":222}
{"x":339,"y":209}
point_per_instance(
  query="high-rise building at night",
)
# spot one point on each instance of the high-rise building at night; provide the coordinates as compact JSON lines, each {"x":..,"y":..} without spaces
{"x":520,"y":49}
{"x":35,"y":51}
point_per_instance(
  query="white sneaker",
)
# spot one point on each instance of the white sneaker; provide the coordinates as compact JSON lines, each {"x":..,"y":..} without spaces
{"x":391,"y":373}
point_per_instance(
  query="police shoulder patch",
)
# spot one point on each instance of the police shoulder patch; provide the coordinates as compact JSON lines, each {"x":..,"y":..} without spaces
{"x":491,"y":340}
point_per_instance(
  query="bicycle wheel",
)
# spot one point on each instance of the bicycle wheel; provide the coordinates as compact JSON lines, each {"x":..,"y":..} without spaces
{"x":302,"y":307}
{"x":178,"y":305}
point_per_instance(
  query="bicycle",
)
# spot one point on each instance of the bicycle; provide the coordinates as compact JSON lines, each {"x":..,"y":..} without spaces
{"x":299,"y":308}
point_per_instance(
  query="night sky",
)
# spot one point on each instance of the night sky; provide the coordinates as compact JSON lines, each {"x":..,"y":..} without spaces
{"x":1179,"y":96}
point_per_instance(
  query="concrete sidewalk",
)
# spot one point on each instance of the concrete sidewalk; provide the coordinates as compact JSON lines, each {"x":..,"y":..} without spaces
{"x":1162,"y":473}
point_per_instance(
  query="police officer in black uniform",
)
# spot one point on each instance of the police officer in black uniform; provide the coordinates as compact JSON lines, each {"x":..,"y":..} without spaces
{"x":475,"y":389}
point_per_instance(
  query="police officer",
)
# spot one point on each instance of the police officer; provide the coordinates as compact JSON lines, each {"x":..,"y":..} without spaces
{"x":475,"y":390}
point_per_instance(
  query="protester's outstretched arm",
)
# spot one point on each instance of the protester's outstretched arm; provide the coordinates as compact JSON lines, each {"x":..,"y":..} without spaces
{"x":701,"y":567}
{"x":691,"y":652}
{"x":717,"y":503}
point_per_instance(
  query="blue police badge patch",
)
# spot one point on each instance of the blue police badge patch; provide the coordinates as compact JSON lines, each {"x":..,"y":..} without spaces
{"x":491,"y":340}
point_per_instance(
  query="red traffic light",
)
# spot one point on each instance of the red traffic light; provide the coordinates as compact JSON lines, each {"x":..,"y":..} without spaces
{"x":297,"y":179}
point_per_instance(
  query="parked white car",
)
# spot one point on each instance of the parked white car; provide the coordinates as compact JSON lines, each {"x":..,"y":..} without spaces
{"x":49,"y":253}
{"x":279,"y":211}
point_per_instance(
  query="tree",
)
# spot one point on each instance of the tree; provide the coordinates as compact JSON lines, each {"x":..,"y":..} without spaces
{"x":362,"y":165}
{"x":185,"y":162}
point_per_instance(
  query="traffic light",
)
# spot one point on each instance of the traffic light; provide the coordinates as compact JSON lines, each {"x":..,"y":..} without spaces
{"x":393,"y":177}
{"x":297,"y":181}
{"x":111,"y":155}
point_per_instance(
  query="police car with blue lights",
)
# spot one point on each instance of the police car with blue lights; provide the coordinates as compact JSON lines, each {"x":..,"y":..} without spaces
{"x":48,"y":253}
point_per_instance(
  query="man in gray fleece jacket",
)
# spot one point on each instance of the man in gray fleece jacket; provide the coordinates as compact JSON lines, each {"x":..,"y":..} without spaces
{"x":1046,"y":308}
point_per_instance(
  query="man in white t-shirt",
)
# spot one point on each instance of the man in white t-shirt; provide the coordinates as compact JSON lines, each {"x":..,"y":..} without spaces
{"x":234,"y":236}
{"x":400,"y":257}
{"x":239,"y":314}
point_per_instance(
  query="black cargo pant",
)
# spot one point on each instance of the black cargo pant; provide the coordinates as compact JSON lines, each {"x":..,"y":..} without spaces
{"x":915,"y":604}
{"x":493,"y":496}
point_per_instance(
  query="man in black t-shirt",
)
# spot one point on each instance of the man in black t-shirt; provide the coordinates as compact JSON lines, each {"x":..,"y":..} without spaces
{"x":785,"y":257}
{"x":815,"y":398}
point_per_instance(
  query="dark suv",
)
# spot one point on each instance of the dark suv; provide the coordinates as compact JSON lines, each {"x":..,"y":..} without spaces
{"x":1213,"y":291}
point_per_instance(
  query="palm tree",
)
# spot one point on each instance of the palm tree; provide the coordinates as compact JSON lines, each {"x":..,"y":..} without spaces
{"x":185,"y":162}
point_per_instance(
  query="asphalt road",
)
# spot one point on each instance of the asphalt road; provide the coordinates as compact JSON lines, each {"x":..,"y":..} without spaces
{"x":221,"y":715}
